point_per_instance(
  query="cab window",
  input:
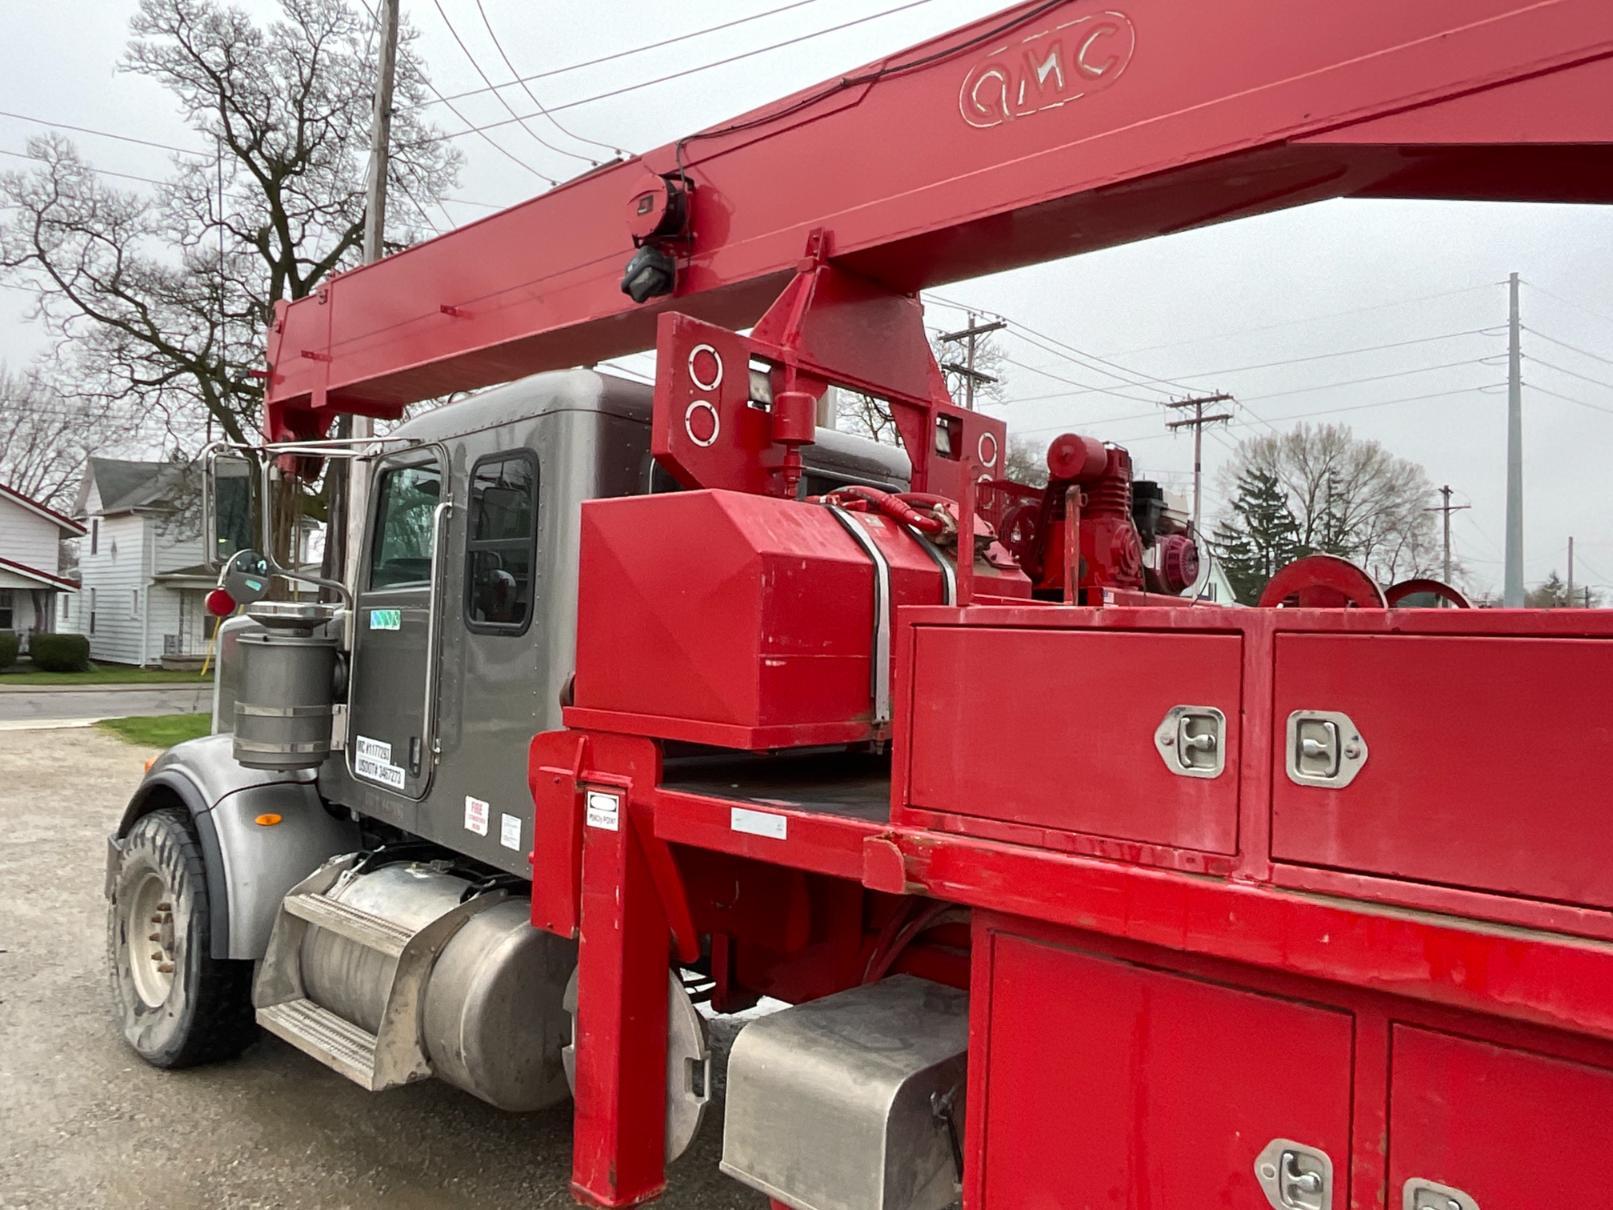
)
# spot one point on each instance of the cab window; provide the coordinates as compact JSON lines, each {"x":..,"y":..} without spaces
{"x":405,"y":527}
{"x":501,"y":543}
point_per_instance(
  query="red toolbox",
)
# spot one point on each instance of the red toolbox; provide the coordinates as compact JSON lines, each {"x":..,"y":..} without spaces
{"x":1451,"y":760}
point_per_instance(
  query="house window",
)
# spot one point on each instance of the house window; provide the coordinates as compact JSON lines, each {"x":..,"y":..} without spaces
{"x":134,"y":602}
{"x":501,"y":543}
{"x":92,"y":611}
{"x":6,"y":609}
{"x":95,"y":535}
{"x":405,"y":527}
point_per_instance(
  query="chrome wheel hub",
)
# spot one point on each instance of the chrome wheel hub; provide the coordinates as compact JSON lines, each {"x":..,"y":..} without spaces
{"x":148,"y":927}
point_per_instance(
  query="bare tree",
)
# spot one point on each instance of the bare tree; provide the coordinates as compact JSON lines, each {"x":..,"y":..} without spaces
{"x":1026,"y":462}
{"x":162,"y":298}
{"x":1350,"y":497}
{"x":870,"y":417}
{"x":46,"y":436}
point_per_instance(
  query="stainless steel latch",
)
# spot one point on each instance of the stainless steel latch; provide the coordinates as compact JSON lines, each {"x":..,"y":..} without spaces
{"x":1294,"y":1176}
{"x":1324,"y":749}
{"x":1422,"y":1194}
{"x":1192,"y":741}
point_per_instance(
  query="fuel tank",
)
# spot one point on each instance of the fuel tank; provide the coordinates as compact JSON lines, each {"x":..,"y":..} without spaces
{"x":749,"y":621}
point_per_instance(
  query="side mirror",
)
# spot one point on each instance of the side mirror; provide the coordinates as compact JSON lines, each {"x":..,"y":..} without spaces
{"x":247,"y":577}
{"x":246,"y":580}
{"x":226,"y":506}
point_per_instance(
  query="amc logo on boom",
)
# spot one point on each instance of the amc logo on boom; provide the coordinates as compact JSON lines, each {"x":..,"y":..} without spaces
{"x":1048,"y":69}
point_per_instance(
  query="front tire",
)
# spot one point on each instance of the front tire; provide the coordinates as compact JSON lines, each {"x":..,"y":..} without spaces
{"x":177,"y":1006}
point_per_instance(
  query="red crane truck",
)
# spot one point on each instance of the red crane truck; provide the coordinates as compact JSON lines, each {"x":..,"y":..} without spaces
{"x":1080,"y":893}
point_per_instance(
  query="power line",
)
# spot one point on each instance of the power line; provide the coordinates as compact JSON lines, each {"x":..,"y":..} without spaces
{"x":1382,"y":403}
{"x":622,"y":54}
{"x":128,"y":176}
{"x":1570,"y":399}
{"x":1288,"y":323}
{"x":1272,"y":365}
{"x":470,"y":127}
{"x":125,"y":138}
{"x":499,"y":46}
{"x":1086,"y":387}
{"x":1597,"y":382}
{"x":1102,"y":365}
{"x":1359,"y":407}
{"x":1603,"y":316}
{"x":106,"y":134}
{"x":1354,"y":382}
{"x":688,"y":71}
{"x":1539,"y":335}
{"x":1075,"y":361}
{"x":486,"y":79}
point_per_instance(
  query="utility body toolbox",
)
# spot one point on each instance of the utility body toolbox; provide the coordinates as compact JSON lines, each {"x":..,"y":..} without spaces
{"x":1311,"y":907}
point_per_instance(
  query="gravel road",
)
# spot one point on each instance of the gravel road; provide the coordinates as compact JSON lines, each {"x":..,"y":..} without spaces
{"x":83,"y":1123}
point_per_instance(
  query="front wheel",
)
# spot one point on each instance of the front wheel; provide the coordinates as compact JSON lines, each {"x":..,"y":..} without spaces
{"x":177,"y":1006}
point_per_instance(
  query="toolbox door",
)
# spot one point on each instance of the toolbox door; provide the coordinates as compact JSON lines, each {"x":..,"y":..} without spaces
{"x":1129,"y":735}
{"x":1476,"y":1125}
{"x":1109,"y":1084}
{"x":1479,"y":762}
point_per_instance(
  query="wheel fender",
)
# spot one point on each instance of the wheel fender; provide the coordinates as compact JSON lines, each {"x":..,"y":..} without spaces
{"x":250,"y":865}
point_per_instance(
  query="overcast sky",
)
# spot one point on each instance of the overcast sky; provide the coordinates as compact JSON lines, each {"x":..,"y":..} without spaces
{"x":1192,"y":308}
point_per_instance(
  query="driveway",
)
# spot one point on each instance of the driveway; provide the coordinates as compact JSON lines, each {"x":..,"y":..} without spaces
{"x":25,"y":708}
{"x":85,"y":1123}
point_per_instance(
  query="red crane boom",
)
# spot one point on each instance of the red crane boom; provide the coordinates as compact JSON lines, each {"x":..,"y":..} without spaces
{"x":1046,"y":130}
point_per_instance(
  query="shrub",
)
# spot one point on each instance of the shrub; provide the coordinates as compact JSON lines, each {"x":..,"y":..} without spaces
{"x":60,"y":652}
{"x":8,"y":648}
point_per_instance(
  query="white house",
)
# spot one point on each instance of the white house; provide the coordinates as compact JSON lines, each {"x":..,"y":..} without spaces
{"x":142,"y":579}
{"x":1212,"y":585}
{"x":31,"y":582}
{"x":139,"y":564}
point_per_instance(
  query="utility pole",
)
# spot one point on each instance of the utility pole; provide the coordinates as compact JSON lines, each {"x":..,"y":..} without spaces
{"x":971,"y":376}
{"x":381,"y":133}
{"x":1568,"y":590}
{"x":1513,"y":594}
{"x":345,"y":529}
{"x":1196,"y":422}
{"x":1447,"y":508}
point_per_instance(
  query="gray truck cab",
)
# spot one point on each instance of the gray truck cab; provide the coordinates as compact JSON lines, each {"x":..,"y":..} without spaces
{"x":449,"y":680}
{"x":361,"y":891}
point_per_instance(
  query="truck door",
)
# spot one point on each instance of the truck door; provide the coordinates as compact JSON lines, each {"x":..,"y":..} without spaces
{"x":493,"y":696}
{"x":394,"y":635}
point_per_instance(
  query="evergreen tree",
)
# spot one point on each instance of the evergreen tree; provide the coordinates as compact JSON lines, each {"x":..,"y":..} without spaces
{"x":1259,"y":537}
{"x":1554,"y":594}
{"x":1332,"y":536}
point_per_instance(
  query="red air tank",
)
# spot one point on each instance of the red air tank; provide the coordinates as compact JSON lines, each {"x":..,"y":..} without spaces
{"x":747,"y":621}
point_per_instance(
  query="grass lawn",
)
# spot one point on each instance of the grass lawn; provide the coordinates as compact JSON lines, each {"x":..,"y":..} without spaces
{"x":159,"y":731}
{"x":103,"y":674}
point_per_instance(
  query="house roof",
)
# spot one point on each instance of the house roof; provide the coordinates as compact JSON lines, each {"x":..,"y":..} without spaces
{"x":60,"y":520}
{"x":33,"y":573}
{"x":126,"y":484}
